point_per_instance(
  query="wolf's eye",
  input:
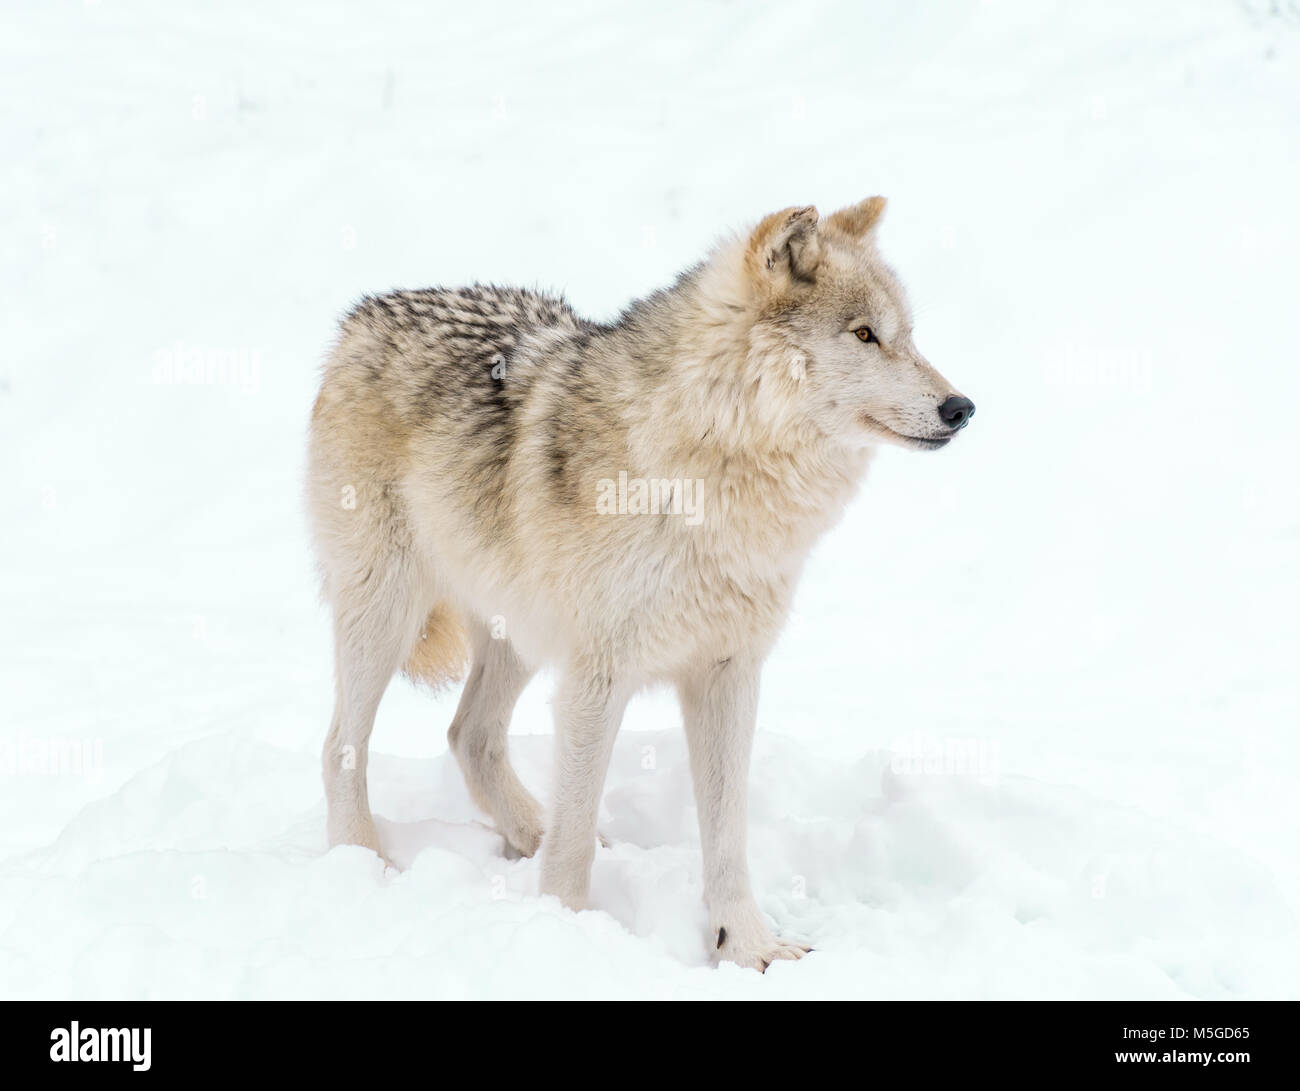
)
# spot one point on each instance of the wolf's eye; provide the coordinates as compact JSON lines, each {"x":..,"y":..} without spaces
{"x":867,"y":335}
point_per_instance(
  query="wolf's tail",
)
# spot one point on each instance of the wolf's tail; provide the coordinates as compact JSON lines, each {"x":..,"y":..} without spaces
{"x":441,"y":655}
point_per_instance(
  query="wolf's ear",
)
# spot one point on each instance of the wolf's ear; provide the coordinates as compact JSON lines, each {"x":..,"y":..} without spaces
{"x":785,"y":245}
{"x":856,"y":221}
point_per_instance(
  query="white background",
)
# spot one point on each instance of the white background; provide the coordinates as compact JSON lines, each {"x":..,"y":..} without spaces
{"x":1032,"y":730}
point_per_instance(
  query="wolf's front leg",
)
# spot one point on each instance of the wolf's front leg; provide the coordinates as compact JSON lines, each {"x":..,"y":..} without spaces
{"x":719,"y":706}
{"x":588,"y":710}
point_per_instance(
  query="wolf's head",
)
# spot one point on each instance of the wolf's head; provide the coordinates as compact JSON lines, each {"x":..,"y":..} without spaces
{"x":826,"y":307}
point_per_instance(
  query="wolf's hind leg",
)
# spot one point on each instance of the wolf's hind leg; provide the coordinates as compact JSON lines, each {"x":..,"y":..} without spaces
{"x":377,"y":618}
{"x":478,"y":738}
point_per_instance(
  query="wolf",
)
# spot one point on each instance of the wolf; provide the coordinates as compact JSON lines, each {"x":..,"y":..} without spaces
{"x":459,"y":450}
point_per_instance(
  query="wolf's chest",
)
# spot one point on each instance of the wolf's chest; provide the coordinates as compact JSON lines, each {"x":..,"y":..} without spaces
{"x":708,"y":591}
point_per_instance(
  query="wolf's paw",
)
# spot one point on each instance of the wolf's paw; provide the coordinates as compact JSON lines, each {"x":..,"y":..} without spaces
{"x":761,"y":955}
{"x":750,"y":943}
{"x":522,"y":829}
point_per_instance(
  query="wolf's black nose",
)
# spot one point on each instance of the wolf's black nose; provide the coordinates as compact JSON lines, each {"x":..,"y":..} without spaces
{"x":957,"y":412}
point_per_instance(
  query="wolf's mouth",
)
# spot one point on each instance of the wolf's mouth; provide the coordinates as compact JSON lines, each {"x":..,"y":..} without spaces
{"x":925,"y":443}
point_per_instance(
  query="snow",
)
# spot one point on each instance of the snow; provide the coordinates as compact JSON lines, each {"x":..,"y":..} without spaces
{"x":1031,"y":731}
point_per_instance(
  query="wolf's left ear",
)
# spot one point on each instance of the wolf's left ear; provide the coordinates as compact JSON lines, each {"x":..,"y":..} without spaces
{"x":786,"y":244}
{"x":856,"y":221}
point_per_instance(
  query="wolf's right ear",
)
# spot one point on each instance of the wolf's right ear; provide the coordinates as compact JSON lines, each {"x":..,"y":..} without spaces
{"x":785,"y":246}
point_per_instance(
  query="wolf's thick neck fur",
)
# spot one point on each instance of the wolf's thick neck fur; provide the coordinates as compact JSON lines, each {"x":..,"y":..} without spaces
{"x":722,"y":374}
